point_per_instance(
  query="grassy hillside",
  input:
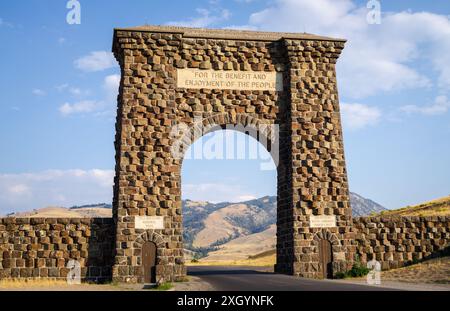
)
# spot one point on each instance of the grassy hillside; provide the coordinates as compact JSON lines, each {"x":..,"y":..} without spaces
{"x":264,"y":259}
{"x":244,"y":246}
{"x":63,"y":212}
{"x":208,"y":226}
{"x":230,"y":222}
{"x":438,"y":207}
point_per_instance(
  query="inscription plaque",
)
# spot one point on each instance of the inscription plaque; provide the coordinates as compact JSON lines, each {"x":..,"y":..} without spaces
{"x":149,"y":222}
{"x":230,"y":80}
{"x":322,"y":221}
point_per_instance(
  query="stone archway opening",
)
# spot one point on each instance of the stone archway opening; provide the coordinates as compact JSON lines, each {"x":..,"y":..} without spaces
{"x":229,"y":196}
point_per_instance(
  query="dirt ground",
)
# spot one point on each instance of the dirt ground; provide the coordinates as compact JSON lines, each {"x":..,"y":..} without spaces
{"x":191,"y":284}
{"x":267,"y":261}
{"x":434,"y":271}
{"x":430,"y":275}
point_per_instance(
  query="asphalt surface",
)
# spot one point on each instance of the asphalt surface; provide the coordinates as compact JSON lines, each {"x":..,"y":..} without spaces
{"x":259,"y":279}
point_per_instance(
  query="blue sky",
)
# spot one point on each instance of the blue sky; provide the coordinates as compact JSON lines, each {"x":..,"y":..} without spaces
{"x":58,"y":84}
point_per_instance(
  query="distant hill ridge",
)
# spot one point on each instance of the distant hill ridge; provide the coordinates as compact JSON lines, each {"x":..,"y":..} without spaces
{"x":438,"y":207}
{"x":101,"y":210}
{"x":238,"y":231}
{"x":208,"y":226}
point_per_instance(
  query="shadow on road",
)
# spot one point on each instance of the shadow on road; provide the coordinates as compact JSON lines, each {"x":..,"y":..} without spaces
{"x":225,"y":272}
{"x":226,"y":278}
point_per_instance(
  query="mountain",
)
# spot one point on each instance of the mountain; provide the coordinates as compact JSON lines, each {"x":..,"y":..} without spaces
{"x":243,"y":247}
{"x":225,"y":230}
{"x":363,"y":207}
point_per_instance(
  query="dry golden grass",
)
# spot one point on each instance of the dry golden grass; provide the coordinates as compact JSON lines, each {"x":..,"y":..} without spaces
{"x":62,"y":212}
{"x":266,"y":261}
{"x":244,"y":247}
{"x":438,"y":207}
{"x":30,"y":283}
{"x":270,"y":252}
{"x":218,"y":226}
{"x":434,"y":271}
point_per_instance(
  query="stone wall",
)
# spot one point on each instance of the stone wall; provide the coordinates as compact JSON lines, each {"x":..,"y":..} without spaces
{"x":42,"y":247}
{"x":400,"y":241}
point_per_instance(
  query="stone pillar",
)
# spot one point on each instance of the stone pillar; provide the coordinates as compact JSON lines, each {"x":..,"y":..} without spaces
{"x":147,"y":181}
{"x":317,"y":175}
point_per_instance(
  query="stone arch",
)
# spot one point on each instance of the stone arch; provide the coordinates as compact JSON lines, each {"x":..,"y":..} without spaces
{"x":311,"y":178}
{"x":149,"y":236}
{"x":243,"y":119}
{"x":327,"y":235}
{"x":242,"y":122}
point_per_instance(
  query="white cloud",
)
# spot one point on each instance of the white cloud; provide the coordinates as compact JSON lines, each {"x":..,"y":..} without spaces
{"x":102,"y":108}
{"x":111,"y":85}
{"x":357,"y":116}
{"x":216,"y":192}
{"x":206,"y":18}
{"x":96,"y":61}
{"x":377,"y":57}
{"x":25,"y":192}
{"x":62,"y":87}
{"x":5,"y":23}
{"x":72,"y":90}
{"x":246,"y":197}
{"x":75,"y":91}
{"x":18,"y":189}
{"x":38,"y":92}
{"x":440,"y":106}
{"x":85,"y":106}
{"x":103,"y":177}
{"x":241,"y":27}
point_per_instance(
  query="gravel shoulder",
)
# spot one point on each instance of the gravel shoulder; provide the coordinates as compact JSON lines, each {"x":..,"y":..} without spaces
{"x":430,"y":275}
{"x":194,"y":283}
{"x":398,"y":285}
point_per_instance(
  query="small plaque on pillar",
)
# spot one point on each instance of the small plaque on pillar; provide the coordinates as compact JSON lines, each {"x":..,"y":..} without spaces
{"x":149,"y":222}
{"x":322,"y":221}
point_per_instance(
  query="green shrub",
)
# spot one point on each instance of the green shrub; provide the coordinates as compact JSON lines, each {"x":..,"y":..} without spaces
{"x":163,"y":286}
{"x":340,"y":275}
{"x":357,"y":270}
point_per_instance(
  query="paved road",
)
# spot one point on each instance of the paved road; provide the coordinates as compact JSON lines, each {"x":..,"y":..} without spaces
{"x":259,"y":279}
